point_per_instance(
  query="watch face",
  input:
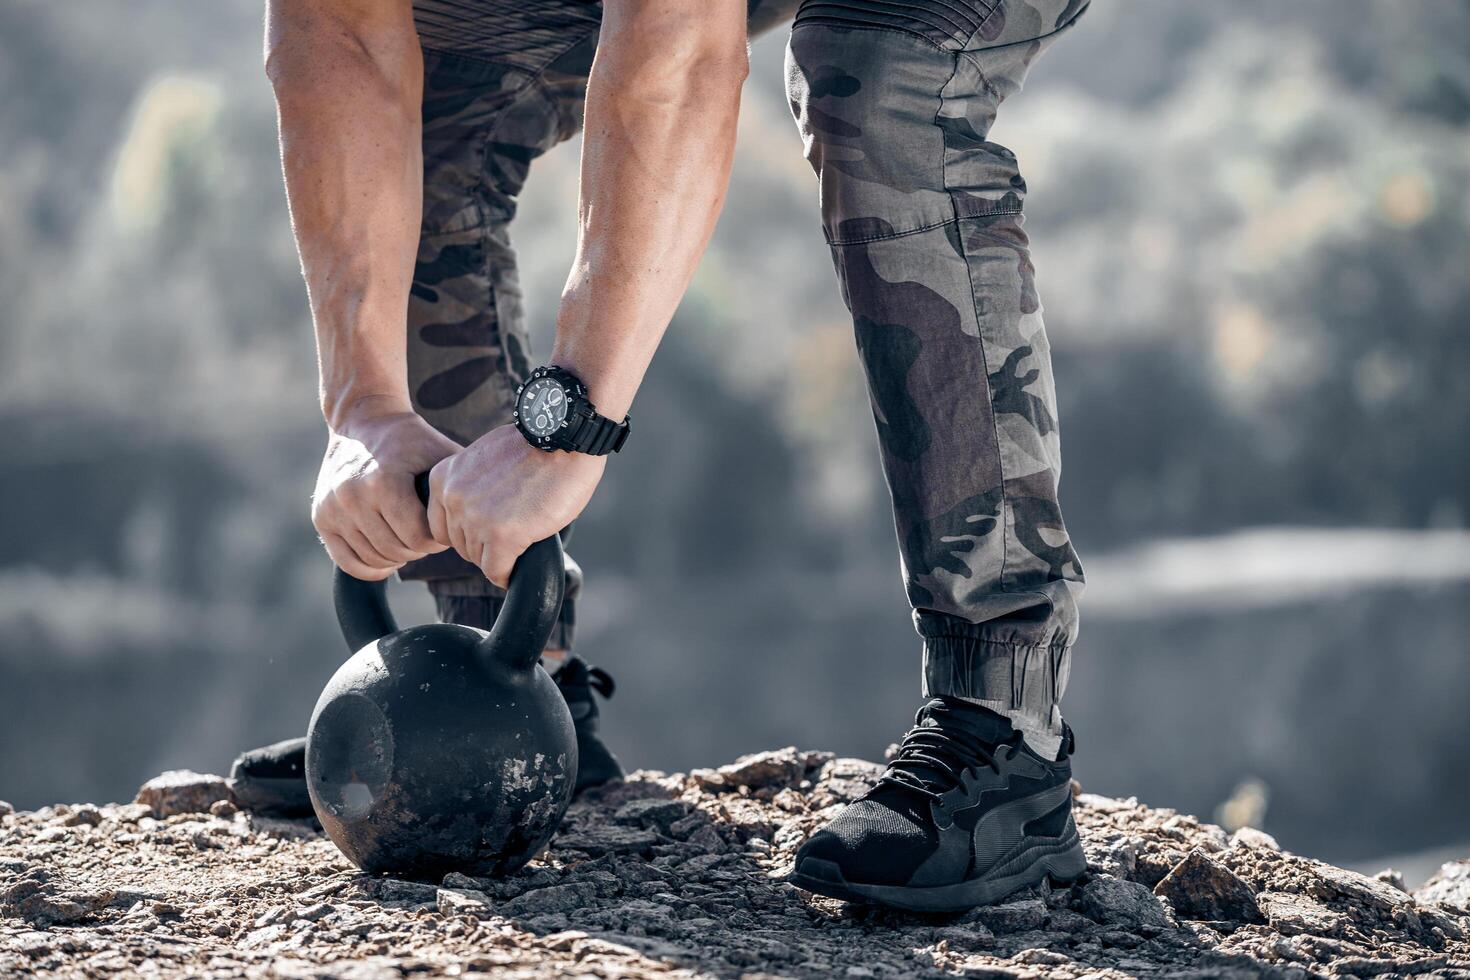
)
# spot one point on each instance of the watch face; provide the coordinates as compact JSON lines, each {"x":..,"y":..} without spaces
{"x":543,"y":407}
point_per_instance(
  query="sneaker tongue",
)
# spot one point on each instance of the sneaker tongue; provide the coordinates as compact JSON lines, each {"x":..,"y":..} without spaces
{"x":951,"y":713}
{"x":935,"y":760}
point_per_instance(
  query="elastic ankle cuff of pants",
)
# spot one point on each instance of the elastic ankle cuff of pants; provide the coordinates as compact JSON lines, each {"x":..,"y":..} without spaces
{"x":1005,"y":676}
{"x":480,"y":611}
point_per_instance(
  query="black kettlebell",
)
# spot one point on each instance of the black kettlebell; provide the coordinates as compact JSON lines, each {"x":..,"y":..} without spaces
{"x":444,"y":748}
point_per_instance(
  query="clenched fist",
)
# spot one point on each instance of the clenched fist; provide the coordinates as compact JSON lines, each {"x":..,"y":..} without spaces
{"x":501,"y":495}
{"x":364,"y":507}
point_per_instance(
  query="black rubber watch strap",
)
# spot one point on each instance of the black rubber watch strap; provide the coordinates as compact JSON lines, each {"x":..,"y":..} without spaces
{"x":598,"y":436}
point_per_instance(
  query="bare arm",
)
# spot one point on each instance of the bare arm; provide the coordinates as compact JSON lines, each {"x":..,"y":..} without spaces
{"x":662,"y":104}
{"x":348,"y":77}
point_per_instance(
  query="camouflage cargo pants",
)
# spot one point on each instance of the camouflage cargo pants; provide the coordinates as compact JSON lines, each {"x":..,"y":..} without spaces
{"x":923,"y":216}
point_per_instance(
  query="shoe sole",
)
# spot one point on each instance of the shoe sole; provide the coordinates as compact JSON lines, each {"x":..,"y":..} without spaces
{"x":282,"y":796}
{"x":1060,"y":861}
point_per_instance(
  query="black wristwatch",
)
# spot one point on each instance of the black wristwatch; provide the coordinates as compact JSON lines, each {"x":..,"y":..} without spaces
{"x":553,"y":412}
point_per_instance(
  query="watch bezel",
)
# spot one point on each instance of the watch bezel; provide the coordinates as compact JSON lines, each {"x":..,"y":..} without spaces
{"x":577,"y":402}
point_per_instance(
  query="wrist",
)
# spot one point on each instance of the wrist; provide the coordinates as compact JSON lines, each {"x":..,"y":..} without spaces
{"x":346,"y":411}
{"x":609,"y":390}
{"x":554,"y":410}
{"x":591,"y":344}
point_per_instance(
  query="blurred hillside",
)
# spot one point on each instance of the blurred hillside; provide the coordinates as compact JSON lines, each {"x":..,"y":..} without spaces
{"x":1251,"y":225}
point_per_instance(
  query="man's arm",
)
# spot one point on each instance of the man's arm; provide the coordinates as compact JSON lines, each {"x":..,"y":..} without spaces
{"x":662,"y":104}
{"x":348,"y":78}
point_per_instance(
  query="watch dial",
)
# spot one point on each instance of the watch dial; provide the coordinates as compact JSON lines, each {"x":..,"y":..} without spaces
{"x":543,"y":407}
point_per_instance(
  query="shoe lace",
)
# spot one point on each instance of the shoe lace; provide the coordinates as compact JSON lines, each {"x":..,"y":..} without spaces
{"x":932,"y":759}
{"x":577,"y":674}
{"x":601,"y":681}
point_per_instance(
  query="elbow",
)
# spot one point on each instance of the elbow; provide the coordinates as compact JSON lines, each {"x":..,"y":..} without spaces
{"x":677,"y":65}
{"x":734,"y":69}
{"x":283,"y":68}
{"x":310,"y":46}
{"x":693,"y":60}
{"x":726,"y":64}
{"x":291,"y":31}
{"x":277,"y":63}
{"x":707,"y":79}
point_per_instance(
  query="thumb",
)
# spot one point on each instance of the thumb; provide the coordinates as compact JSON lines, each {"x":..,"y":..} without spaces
{"x":438,"y":513}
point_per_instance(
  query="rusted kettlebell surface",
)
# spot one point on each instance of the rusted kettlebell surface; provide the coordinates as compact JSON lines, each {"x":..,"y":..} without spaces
{"x":444,"y":748}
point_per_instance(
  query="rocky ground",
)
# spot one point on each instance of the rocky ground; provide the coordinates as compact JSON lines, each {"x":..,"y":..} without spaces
{"x":681,"y":875}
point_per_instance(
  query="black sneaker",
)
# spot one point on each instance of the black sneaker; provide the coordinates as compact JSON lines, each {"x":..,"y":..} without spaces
{"x":272,"y":780}
{"x":964,"y":815}
{"x":576,"y":680}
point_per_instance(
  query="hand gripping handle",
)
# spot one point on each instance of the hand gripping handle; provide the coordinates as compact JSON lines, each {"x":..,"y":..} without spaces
{"x":519,"y":634}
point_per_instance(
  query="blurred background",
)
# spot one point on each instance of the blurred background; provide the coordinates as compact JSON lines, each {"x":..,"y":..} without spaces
{"x":1251,"y":223}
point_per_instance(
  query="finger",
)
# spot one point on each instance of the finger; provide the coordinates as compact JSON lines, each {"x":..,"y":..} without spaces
{"x":439,"y":524}
{"x":383,"y":540}
{"x":497,"y":571}
{"x":409,"y":522}
{"x":364,"y":550}
{"x":438,"y":514}
{"x":346,"y":559}
{"x":503,"y":558}
{"x":466,"y":548}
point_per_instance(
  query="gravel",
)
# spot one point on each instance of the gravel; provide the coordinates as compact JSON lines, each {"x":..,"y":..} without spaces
{"x":681,"y":875}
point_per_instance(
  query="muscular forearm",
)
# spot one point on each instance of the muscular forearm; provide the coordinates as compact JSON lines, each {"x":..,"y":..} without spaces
{"x":662,"y":103}
{"x":348,"y":76}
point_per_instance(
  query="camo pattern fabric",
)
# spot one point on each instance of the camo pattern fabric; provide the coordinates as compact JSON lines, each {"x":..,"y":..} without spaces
{"x":922,"y":212}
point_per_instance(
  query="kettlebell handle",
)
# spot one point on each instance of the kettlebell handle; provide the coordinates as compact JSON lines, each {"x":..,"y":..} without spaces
{"x":519,"y":634}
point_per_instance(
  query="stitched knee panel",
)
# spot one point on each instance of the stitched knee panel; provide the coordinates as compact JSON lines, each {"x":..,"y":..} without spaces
{"x":866,"y":102}
{"x":947,"y":23}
